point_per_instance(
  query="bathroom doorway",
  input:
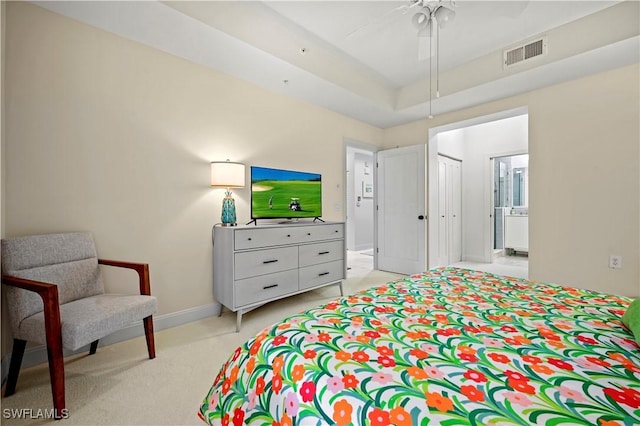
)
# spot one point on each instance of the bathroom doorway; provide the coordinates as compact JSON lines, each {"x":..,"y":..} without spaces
{"x":510,"y":201}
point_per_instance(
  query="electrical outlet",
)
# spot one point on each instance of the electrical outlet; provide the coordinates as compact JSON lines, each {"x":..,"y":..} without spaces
{"x":615,"y":261}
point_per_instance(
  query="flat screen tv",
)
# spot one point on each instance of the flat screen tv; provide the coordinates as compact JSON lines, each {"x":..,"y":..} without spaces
{"x":285,"y":194}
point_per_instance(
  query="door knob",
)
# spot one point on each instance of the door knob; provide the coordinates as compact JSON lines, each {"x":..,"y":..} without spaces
{"x":421,"y":217}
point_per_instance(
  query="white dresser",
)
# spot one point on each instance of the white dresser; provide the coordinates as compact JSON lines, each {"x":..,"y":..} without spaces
{"x":253,"y":265}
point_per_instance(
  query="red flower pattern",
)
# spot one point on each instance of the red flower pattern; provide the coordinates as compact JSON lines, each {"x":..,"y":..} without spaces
{"x":560,"y":364}
{"x":238,"y":417}
{"x":472,"y":393}
{"x":308,"y":391}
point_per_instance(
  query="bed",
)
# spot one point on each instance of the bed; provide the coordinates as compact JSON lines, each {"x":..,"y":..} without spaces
{"x":449,"y":346}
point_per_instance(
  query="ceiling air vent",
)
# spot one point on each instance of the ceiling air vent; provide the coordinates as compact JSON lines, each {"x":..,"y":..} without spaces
{"x":525,"y":52}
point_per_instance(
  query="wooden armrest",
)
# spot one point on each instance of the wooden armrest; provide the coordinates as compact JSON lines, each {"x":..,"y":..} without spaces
{"x":39,"y":287}
{"x":141,"y":268}
{"x":51,"y":304}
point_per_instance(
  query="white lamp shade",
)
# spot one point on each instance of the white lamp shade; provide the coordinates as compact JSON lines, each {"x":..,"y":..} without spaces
{"x":227,"y":174}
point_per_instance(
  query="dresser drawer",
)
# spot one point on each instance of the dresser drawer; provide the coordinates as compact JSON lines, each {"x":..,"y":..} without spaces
{"x":259,"y":262}
{"x":265,"y":237}
{"x":265,"y":287}
{"x":315,"y":275}
{"x":312,"y":254}
{"x":320,"y":232}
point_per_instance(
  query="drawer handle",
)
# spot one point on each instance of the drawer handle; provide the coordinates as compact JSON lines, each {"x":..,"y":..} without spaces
{"x":267,"y":287}
{"x":270,"y":261}
{"x":308,"y":233}
{"x":249,"y":239}
{"x":323,"y":273}
{"x":324,"y":252}
{"x":288,"y":235}
{"x":336,"y":231}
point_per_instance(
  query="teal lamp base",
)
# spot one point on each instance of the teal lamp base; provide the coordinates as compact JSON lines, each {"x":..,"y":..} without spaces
{"x":228,"y":210}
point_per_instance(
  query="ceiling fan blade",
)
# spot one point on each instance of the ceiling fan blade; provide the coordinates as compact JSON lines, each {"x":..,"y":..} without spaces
{"x":423,"y":48}
{"x":402,"y":9}
{"x":511,"y":9}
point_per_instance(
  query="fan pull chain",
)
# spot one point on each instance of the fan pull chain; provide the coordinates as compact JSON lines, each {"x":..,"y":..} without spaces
{"x":437,"y":62}
{"x":430,"y":71}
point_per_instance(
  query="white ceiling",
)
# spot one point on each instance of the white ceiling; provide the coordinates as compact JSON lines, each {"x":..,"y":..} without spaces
{"x":364,"y":58}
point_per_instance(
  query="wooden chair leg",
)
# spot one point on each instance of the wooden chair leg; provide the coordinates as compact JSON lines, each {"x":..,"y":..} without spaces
{"x":14,"y":368}
{"x":94,"y":347}
{"x":56,"y":373}
{"x":148,"y":332}
{"x":53,"y":331}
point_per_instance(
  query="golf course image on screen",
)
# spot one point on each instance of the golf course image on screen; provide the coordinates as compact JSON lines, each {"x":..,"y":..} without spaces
{"x":277,"y":193}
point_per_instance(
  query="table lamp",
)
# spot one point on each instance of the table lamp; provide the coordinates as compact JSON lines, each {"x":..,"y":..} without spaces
{"x":226,"y":174}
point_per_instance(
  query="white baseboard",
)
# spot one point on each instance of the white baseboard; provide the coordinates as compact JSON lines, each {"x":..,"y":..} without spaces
{"x":38,"y":354}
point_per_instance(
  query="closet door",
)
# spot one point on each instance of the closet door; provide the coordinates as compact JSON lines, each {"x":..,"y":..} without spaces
{"x":454,"y":177}
{"x":449,"y":210}
{"x":443,"y":223}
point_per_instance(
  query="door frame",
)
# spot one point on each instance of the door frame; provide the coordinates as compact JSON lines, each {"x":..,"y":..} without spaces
{"x":432,"y":178}
{"x":352,"y":144}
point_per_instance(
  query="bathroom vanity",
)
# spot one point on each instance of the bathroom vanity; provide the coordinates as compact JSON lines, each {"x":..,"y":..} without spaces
{"x":516,"y":232}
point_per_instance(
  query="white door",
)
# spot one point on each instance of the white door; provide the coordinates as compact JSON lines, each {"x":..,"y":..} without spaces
{"x":455,"y":211}
{"x":443,"y":234}
{"x":449,"y":210}
{"x":402,"y":210}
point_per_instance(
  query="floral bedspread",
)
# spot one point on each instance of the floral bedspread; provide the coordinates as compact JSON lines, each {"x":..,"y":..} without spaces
{"x":451,"y":347}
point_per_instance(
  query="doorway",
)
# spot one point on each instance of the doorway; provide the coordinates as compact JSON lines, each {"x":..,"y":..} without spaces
{"x":475,"y":142}
{"x":359,"y":202}
{"x":510,"y":198}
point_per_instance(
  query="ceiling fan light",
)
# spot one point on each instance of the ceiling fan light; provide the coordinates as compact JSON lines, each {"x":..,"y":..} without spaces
{"x":420,"y":20}
{"x":444,"y":15}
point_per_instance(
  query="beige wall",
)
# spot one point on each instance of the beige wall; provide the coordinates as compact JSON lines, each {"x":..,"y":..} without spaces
{"x":110,"y":136}
{"x":584,"y":139}
{"x":107,"y":135}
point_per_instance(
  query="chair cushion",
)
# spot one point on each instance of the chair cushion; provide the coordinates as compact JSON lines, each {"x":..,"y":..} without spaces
{"x":75,"y":280}
{"x":67,"y":260}
{"x":89,"y":319}
{"x":48,"y":249}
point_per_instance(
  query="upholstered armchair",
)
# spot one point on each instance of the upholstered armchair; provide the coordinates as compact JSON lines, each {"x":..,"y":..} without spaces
{"x":55,"y":297}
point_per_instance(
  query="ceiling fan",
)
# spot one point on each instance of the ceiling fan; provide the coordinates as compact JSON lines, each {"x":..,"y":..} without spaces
{"x":429,"y":17}
{"x":428,"y":12}
{"x":432,"y":15}
{"x":428,"y":20}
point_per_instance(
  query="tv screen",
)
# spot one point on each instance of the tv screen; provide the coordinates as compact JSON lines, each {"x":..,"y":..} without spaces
{"x":277,"y":193}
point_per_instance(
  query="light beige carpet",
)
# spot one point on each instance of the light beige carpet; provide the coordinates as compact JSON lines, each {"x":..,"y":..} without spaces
{"x":119,"y":385}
